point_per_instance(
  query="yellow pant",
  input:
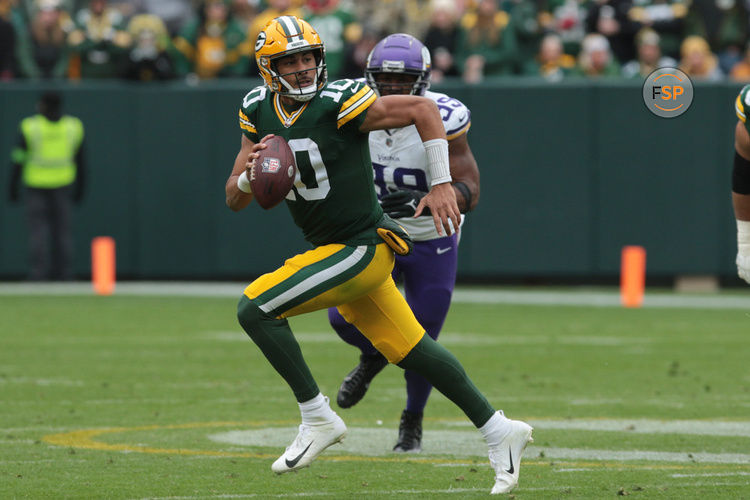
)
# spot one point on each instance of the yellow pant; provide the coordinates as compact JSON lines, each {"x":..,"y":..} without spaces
{"x":355,"y":279}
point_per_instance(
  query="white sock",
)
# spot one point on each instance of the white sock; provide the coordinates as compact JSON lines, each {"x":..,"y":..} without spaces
{"x":495,"y":429}
{"x":316,"y":410}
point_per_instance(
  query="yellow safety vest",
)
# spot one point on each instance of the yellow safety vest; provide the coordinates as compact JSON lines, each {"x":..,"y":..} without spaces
{"x":51,"y":150}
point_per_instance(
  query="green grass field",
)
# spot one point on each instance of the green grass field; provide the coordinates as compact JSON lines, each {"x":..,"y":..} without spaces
{"x":133,"y":397}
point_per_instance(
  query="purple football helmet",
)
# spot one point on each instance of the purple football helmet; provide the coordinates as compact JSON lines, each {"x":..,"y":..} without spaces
{"x":400,"y":54}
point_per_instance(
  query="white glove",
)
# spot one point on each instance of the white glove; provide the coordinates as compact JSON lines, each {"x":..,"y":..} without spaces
{"x":743,"y":250}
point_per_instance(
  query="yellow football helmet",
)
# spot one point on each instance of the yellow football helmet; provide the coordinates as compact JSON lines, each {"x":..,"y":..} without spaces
{"x":284,"y":36}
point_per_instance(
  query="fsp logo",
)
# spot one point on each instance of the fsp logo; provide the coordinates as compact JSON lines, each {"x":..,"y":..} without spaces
{"x":668,"y":92}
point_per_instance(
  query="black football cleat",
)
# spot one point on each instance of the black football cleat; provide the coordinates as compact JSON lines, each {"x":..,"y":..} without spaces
{"x":409,"y":433}
{"x":355,"y":384}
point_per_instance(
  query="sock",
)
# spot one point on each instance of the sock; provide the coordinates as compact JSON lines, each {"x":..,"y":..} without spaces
{"x":435,"y":363}
{"x":316,"y":410}
{"x":492,"y":431}
{"x":275,"y":339}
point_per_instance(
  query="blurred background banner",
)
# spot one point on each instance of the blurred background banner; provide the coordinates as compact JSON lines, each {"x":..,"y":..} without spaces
{"x":571,"y":172}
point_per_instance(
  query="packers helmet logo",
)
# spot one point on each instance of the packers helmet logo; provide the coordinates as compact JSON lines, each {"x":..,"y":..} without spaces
{"x":260,"y":41}
{"x":284,"y":36}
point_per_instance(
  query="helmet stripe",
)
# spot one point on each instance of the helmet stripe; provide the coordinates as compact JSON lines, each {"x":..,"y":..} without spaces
{"x":290,"y":26}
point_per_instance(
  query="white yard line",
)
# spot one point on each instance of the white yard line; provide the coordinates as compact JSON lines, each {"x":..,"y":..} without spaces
{"x":370,"y":441}
{"x":608,"y":297}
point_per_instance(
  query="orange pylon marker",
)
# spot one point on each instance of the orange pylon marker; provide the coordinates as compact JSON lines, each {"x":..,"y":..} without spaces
{"x":103,"y":265}
{"x":632,"y":275}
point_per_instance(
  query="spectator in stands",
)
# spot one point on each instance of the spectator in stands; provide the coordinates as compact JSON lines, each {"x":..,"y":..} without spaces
{"x":486,"y":43}
{"x":338,"y":28}
{"x":29,"y":8}
{"x":551,"y":63}
{"x":524,"y":22}
{"x":244,"y":12}
{"x":649,"y":56}
{"x":567,"y":19}
{"x":7,"y":43}
{"x":212,"y":45}
{"x":46,"y":53}
{"x":275,"y":9}
{"x":174,"y":13}
{"x":665,"y":17}
{"x":698,"y":61}
{"x":396,"y":16}
{"x":596,"y":59}
{"x":741,"y":71}
{"x":610,"y":18}
{"x":149,"y":59}
{"x":724,"y":25}
{"x":356,"y":59}
{"x":98,"y":43}
{"x":441,"y":38}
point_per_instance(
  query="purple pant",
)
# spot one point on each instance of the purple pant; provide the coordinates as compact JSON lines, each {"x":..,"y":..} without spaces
{"x":429,"y":275}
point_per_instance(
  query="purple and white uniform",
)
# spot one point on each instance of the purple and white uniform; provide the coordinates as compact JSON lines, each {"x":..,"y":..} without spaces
{"x":429,"y":272}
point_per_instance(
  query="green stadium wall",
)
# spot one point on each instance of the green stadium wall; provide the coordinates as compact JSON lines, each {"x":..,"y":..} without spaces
{"x":570,"y":173}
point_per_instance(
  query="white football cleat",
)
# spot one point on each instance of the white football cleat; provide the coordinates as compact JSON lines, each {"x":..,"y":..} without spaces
{"x":505,"y":458}
{"x":311,"y":440}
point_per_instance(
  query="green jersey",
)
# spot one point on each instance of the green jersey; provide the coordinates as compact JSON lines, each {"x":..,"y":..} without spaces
{"x":333,"y":199}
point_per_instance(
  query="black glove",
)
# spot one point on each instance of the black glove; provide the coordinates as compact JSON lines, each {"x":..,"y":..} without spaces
{"x":403,"y":203}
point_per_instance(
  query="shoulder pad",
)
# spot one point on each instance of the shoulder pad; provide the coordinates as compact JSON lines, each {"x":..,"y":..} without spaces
{"x":249,"y":107}
{"x":456,"y":116}
{"x":350,"y":97}
{"x":742,"y":103}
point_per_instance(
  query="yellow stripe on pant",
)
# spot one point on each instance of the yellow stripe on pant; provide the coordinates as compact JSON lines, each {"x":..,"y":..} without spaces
{"x":369,"y":300}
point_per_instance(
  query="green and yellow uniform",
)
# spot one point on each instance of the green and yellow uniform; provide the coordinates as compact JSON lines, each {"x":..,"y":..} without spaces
{"x":741,"y":105}
{"x":333,"y":201}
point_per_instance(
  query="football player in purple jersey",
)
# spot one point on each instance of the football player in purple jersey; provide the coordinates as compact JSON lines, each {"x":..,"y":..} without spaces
{"x":400,"y":64}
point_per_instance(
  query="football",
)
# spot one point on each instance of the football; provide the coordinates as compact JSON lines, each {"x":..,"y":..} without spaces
{"x":273,"y":174}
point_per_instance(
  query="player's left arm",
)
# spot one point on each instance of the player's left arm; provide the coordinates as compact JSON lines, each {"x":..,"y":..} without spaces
{"x":465,"y":173}
{"x":741,"y":198}
{"x":397,"y":111}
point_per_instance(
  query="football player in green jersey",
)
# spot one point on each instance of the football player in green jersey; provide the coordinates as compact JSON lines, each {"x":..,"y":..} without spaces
{"x":333,"y":201}
{"x":741,"y":184}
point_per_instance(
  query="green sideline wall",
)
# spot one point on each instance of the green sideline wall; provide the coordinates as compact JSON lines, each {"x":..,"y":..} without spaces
{"x":570,"y":173}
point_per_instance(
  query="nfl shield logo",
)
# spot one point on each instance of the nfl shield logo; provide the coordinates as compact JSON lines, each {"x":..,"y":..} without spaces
{"x":271,"y":165}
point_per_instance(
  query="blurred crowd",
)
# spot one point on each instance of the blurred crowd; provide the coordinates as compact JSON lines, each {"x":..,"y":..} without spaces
{"x":146,"y":40}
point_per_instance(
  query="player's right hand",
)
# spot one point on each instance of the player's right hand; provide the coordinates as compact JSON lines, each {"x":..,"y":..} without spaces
{"x":441,"y":200}
{"x":253,"y":155}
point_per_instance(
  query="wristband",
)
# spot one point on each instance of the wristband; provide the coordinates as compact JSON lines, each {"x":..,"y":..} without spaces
{"x":466,"y":193}
{"x":243,"y":184}
{"x":437,"y":160}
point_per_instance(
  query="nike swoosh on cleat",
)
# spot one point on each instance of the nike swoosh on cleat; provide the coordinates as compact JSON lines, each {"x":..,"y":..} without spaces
{"x":292,"y":463}
{"x":509,"y":471}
